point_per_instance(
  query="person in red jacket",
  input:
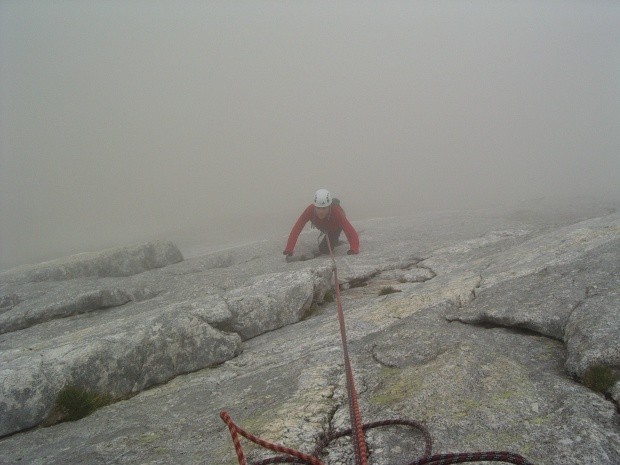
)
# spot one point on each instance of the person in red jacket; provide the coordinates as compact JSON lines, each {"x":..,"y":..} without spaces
{"x":327,"y":215}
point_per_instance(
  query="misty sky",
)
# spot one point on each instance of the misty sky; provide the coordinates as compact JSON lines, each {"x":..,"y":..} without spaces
{"x":124,"y":121}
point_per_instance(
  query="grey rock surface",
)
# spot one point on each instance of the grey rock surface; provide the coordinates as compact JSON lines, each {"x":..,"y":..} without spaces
{"x":498,"y":317}
{"x":118,"y":261}
{"x":275,"y":300}
{"x":575,"y":298}
{"x":120,"y":336}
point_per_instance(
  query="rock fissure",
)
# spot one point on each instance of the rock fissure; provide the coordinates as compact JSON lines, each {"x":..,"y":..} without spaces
{"x":512,"y":328}
{"x":429,"y":269}
{"x":377,"y":358}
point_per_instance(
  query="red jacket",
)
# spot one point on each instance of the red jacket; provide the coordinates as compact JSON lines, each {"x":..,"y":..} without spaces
{"x":334,"y":221}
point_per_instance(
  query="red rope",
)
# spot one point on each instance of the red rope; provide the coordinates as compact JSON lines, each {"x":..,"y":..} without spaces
{"x":357,"y":427}
{"x":293,"y":456}
{"x":359,"y":443}
{"x":292,"y":453}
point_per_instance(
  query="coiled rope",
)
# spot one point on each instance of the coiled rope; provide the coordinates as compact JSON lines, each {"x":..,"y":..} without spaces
{"x":357,"y":430}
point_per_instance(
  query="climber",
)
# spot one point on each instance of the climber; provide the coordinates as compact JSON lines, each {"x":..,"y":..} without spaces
{"x":326,"y":214}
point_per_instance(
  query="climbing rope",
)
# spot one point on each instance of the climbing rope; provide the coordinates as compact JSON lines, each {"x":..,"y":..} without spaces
{"x":357,"y":427}
{"x":359,"y":443}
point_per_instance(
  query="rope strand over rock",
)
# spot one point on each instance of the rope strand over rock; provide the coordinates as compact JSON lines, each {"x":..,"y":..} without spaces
{"x":358,"y":428}
{"x":359,"y":443}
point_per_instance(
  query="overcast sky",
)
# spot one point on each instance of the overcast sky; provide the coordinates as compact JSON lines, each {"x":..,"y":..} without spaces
{"x":123,"y":121}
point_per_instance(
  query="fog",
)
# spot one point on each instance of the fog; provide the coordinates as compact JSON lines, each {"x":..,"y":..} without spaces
{"x":213,"y":122}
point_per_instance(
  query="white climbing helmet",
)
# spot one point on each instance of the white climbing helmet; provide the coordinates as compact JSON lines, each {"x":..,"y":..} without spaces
{"x":322,"y":198}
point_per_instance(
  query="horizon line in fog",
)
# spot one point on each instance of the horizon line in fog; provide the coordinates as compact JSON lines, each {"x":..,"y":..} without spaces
{"x":125,"y":121}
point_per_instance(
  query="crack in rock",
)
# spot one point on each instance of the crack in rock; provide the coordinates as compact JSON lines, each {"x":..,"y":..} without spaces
{"x":411,"y":273}
{"x":72,"y":305}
